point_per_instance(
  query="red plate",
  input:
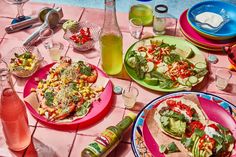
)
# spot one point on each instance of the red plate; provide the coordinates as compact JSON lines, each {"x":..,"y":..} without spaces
{"x":99,"y":108}
{"x":214,"y":112}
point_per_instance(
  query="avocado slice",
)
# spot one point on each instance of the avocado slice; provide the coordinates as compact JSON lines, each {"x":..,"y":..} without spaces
{"x":197,"y":151}
{"x":195,"y":145}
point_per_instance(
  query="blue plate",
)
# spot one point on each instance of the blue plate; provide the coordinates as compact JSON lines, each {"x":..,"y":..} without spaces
{"x":226,"y":31}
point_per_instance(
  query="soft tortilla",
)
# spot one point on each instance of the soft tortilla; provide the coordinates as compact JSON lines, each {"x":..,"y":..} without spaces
{"x":161,"y":138}
{"x":190,"y":100}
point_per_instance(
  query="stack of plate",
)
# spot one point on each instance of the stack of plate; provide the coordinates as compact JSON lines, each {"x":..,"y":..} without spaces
{"x":205,"y":38}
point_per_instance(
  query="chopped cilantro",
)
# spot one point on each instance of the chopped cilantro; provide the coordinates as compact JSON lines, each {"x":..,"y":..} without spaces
{"x":222,"y":128}
{"x":172,"y":148}
{"x":84,"y":69}
{"x":187,"y":142}
{"x":27,"y":55}
{"x":229,"y":139}
{"x":49,"y":96}
{"x":162,"y":148}
{"x":199,"y":132}
{"x":164,"y":120}
{"x":83,"y":109}
{"x":172,"y":47}
{"x":218,"y":148}
{"x":219,"y":139}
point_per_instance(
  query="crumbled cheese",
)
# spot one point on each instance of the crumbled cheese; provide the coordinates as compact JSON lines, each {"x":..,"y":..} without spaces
{"x":211,"y":131}
{"x":210,"y":18}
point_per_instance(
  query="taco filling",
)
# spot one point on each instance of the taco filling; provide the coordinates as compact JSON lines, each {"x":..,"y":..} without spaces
{"x":174,"y":115}
{"x":209,"y":140}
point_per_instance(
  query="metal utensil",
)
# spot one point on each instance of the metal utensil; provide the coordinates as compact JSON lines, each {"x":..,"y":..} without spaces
{"x":51,"y":21}
{"x":27,"y":23}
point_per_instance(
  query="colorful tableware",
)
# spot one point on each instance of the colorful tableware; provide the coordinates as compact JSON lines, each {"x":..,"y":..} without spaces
{"x":98,"y":110}
{"x":180,"y":43}
{"x":227,"y":31}
{"x":199,"y":45}
{"x":194,"y":36}
{"x":143,"y":144}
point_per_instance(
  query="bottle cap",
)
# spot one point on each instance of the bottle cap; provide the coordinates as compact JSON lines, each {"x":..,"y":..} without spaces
{"x":132,"y":115}
{"x":117,"y":90}
{"x":212,"y":59}
{"x":161,"y":8}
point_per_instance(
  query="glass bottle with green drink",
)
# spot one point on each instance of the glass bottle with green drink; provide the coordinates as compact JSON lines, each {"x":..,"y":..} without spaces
{"x":108,"y":139}
{"x":110,"y":40}
{"x":142,"y":9}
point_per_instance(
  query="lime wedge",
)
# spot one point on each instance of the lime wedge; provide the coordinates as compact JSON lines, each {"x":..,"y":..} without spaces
{"x":71,"y":25}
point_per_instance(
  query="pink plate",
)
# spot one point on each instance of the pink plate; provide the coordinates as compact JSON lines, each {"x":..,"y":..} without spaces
{"x":194,"y":36}
{"x":98,"y":110}
{"x":198,"y":44}
{"x":215,"y":113}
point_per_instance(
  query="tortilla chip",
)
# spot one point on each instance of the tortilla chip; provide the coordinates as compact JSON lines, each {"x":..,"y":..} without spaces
{"x":161,"y":138}
{"x":32,"y":99}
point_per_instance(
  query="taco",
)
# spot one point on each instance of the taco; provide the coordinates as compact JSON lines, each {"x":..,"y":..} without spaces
{"x":68,"y":91}
{"x":209,"y":140}
{"x":173,"y":115}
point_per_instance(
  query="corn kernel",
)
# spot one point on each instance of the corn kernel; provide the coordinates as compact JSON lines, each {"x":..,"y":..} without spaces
{"x":32,"y":90}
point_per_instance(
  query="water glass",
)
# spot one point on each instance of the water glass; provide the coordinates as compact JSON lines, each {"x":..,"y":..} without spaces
{"x":222,"y":78}
{"x":55,"y":51}
{"x":135,"y":27}
{"x":129,"y":95}
{"x":46,"y":36}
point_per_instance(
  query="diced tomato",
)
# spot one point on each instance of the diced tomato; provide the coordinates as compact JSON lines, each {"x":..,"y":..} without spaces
{"x":93,"y":77}
{"x":213,"y":126}
{"x":192,"y":126}
{"x":171,"y":103}
{"x":151,"y":51}
{"x":82,"y":37}
{"x":206,"y":141}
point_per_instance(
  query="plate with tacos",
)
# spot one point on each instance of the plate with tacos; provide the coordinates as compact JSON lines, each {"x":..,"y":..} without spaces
{"x":165,"y":63}
{"x":68,"y":94}
{"x":185,"y":124}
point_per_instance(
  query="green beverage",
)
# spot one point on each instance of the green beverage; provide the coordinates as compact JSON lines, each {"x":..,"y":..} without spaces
{"x":111,"y":47}
{"x":108,"y":139}
{"x":143,"y":12}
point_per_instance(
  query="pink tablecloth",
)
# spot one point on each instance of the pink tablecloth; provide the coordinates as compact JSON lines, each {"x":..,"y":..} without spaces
{"x":60,"y":143}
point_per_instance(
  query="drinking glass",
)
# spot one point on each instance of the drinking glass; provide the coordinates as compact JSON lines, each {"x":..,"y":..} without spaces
{"x":56,"y":50}
{"x":20,"y":15}
{"x":135,"y":27}
{"x":129,"y":95}
{"x":46,"y":37}
{"x":222,"y":78}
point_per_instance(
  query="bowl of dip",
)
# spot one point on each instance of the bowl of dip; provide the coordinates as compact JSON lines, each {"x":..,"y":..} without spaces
{"x":213,"y":19}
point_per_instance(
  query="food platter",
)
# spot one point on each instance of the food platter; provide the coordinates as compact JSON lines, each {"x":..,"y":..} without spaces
{"x":220,"y":111}
{"x":99,"y":107}
{"x":179,"y":44}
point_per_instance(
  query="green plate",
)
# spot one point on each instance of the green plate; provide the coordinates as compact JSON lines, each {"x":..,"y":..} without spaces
{"x":181,"y":44}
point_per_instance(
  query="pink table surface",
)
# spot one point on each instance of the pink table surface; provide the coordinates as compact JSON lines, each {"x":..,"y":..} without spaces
{"x":49,"y":142}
